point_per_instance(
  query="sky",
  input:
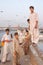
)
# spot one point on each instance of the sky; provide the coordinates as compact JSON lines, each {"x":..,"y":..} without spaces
{"x":16,"y":12}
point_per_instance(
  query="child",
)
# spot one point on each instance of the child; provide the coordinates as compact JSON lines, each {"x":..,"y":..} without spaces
{"x":17,"y":49}
{"x":27,"y":42}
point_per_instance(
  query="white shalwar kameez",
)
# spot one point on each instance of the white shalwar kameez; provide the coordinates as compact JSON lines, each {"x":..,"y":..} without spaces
{"x":34,"y":32}
{"x":7,"y":46}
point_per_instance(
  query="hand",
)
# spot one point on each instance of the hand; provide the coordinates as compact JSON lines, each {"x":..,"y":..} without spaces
{"x":36,"y":26}
{"x":15,"y":54}
{"x":7,"y":40}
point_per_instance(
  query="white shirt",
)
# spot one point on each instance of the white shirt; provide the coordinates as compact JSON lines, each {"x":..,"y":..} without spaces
{"x":6,"y":37}
{"x":33,"y":18}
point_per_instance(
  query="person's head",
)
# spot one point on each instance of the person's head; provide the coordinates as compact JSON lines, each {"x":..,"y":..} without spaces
{"x":31,"y":9}
{"x":16,"y":35}
{"x":28,"y":20}
{"x":27,"y":31}
{"x":7,"y":31}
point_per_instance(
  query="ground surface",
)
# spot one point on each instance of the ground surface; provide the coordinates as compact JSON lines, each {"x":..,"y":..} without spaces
{"x":33,"y":60}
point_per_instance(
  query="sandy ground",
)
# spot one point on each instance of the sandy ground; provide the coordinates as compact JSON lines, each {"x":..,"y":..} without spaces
{"x":34,"y":60}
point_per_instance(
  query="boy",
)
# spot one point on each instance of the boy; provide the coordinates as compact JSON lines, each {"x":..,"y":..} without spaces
{"x":6,"y":39}
{"x":17,"y":49}
{"x":27,"y":42}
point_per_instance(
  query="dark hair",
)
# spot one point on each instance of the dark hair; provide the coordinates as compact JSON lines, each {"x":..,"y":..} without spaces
{"x":7,"y":29}
{"x":26,"y":30}
{"x":28,"y":20}
{"x":15,"y":33}
{"x":31,"y":7}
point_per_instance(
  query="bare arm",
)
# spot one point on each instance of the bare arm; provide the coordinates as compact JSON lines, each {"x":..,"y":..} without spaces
{"x":36,"y":26}
{"x":36,"y":18}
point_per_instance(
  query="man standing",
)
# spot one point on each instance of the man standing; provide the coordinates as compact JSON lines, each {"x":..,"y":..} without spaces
{"x":6,"y":39}
{"x":33,"y":23}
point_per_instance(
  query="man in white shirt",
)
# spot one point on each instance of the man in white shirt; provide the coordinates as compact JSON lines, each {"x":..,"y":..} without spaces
{"x":33,"y":23}
{"x":6,"y":39}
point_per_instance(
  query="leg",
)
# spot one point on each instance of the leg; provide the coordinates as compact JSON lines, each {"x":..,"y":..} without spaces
{"x":4,"y":56}
{"x":15,"y":59}
{"x":36,"y":37}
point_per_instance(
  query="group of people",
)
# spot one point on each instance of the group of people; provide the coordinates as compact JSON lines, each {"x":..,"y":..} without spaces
{"x":18,"y":45}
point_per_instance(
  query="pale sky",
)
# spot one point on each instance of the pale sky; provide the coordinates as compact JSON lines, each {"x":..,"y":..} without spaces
{"x":16,"y":12}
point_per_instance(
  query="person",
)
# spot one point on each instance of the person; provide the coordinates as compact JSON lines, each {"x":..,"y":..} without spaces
{"x":6,"y":39}
{"x":21,"y":36}
{"x":34,"y":28}
{"x":27,"y":42}
{"x":17,"y":49}
{"x":28,"y":20}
